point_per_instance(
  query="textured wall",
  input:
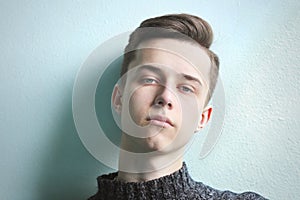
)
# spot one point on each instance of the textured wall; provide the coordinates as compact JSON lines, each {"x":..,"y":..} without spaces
{"x":44,"y":43}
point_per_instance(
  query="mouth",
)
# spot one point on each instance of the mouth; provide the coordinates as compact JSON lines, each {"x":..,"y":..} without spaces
{"x":159,"y":120}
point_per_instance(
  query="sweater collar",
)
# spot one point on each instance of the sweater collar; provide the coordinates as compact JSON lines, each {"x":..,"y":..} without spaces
{"x":177,"y":182}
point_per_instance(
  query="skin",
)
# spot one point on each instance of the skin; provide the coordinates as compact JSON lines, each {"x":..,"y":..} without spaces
{"x":162,"y":105}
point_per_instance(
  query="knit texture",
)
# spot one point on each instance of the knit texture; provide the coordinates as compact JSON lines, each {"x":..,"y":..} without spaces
{"x":178,"y":185}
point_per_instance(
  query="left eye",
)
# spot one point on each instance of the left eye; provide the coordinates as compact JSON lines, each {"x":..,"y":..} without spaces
{"x":186,"y":89}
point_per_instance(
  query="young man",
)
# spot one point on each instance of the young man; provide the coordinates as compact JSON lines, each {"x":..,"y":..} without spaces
{"x":168,"y":76}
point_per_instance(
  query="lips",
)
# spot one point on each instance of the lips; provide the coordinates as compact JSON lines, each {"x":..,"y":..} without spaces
{"x":160,"y":121}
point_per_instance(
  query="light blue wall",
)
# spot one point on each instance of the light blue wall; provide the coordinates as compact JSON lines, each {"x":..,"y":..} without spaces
{"x":44,"y":43}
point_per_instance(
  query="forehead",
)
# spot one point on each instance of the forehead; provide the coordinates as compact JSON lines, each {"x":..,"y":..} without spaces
{"x":181,"y":56}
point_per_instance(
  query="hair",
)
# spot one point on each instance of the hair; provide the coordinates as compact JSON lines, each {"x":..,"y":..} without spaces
{"x":184,"y":27}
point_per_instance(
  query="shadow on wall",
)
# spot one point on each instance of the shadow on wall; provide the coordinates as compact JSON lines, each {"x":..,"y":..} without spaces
{"x":69,"y":171}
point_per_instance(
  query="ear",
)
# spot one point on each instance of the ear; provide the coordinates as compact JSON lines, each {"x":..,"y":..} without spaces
{"x":205,"y":117}
{"x":116,"y":99}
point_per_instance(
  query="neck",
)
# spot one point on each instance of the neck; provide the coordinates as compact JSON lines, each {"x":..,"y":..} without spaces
{"x":147,"y":176}
{"x":138,"y":167}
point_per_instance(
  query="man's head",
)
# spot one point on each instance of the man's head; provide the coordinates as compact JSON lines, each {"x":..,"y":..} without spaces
{"x":183,"y":27}
{"x":168,"y":75}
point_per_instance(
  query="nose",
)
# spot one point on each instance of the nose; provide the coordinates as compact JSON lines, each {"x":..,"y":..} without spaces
{"x":164,"y":98}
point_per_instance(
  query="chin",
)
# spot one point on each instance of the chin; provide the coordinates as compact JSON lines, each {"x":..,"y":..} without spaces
{"x":158,"y":145}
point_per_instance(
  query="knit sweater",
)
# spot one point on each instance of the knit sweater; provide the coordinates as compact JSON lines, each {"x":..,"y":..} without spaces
{"x":178,"y":186}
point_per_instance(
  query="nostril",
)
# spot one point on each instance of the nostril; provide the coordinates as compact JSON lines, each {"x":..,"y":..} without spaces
{"x":161,"y":103}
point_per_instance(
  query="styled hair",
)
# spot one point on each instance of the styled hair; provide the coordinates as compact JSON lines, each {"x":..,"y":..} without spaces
{"x":184,"y":27}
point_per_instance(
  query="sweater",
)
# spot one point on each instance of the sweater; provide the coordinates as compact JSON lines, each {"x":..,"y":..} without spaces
{"x":178,"y":186}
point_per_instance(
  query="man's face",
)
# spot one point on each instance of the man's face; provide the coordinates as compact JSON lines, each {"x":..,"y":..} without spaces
{"x":163,"y":99}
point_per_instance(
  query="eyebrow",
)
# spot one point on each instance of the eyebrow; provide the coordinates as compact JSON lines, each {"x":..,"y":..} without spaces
{"x":191,"y":78}
{"x":150,"y":68}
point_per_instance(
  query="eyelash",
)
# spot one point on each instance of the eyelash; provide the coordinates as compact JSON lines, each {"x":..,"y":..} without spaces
{"x":152,"y":80}
{"x":187,"y":89}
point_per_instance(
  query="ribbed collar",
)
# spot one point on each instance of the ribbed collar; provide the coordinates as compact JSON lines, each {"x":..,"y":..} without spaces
{"x":166,"y":187}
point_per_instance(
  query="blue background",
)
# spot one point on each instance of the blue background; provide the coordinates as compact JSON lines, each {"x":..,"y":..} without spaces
{"x":44,"y":43}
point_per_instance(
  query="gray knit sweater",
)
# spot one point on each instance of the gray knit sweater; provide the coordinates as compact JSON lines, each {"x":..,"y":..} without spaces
{"x":178,"y":185}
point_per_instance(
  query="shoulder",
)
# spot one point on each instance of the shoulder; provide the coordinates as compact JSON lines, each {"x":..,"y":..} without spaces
{"x":207,"y":191}
{"x":244,"y":195}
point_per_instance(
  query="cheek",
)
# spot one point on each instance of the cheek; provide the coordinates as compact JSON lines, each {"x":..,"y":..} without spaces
{"x":139,"y":103}
{"x":191,"y":113}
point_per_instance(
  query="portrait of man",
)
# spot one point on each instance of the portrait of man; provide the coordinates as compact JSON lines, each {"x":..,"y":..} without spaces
{"x":149,"y":100}
{"x":167,"y":79}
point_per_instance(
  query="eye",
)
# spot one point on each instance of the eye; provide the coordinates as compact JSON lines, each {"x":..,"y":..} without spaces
{"x":149,"y":81}
{"x":186,"y":89}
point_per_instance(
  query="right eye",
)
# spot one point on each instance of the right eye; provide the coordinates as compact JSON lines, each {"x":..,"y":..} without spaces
{"x":149,"y":81}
